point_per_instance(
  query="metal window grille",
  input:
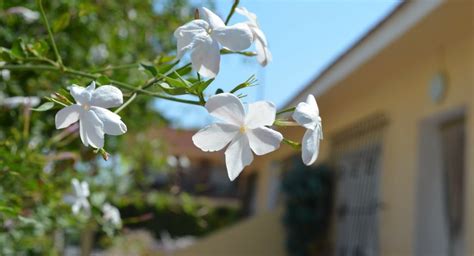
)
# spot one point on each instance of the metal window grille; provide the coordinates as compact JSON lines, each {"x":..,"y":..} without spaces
{"x":357,"y":160}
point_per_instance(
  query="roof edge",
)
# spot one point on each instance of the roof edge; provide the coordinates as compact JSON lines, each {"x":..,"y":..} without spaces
{"x":388,"y":29}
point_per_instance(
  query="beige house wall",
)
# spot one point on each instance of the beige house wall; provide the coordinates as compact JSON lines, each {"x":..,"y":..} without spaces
{"x":396,"y":82}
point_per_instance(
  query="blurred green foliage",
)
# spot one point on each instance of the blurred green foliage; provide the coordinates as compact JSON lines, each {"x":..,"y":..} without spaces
{"x":37,"y":162}
{"x":308,"y":195}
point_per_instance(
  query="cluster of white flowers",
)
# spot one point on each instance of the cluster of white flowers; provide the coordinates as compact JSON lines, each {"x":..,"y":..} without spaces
{"x":245,"y":131}
{"x":204,"y":37}
{"x":181,"y":161}
{"x":80,"y":203}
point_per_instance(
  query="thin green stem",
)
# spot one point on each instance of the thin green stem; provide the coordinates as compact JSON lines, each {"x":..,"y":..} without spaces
{"x":286,"y":110}
{"x":232,"y":10}
{"x":40,"y":60}
{"x":92,"y":76}
{"x":133,"y":88}
{"x":50,"y":33}
{"x":29,"y":67}
{"x":125,"y":66}
{"x":245,"y":53}
{"x":292,"y":144}
{"x":283,"y":123}
{"x":124,"y":105}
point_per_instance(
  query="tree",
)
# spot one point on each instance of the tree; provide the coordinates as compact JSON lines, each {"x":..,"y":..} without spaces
{"x":65,"y":56}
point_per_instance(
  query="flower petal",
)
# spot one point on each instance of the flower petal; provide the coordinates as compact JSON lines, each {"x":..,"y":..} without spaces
{"x":307,"y":113}
{"x":237,"y":37}
{"x":107,"y":96}
{"x":85,"y":189}
{"x":76,"y":186}
{"x":91,"y":129}
{"x":250,"y":15}
{"x":264,"y":56}
{"x":205,"y":56}
{"x":226,"y":107}
{"x":264,"y":140}
{"x":237,"y":156}
{"x":113,"y":124}
{"x":185,"y":34}
{"x":259,"y":35}
{"x":312,"y":102}
{"x":310,"y":146}
{"x":211,"y":18}
{"x":82,"y":95}
{"x":260,"y":113}
{"x":76,"y":207}
{"x":67,"y":116}
{"x":215,"y":136}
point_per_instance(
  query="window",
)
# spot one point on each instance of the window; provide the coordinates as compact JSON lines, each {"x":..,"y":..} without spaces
{"x":440,"y":185}
{"x":453,"y":154}
{"x":357,"y":159}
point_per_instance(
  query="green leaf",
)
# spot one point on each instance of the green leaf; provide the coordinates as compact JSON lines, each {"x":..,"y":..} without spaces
{"x":39,"y":48}
{"x":219,"y":91}
{"x":18,"y":49}
{"x":181,"y":71}
{"x":8,"y":210}
{"x":173,"y":90}
{"x":6,"y":54}
{"x":180,"y":78}
{"x":62,"y":22}
{"x":65,"y":93}
{"x":57,"y":101}
{"x":86,"y":9}
{"x":165,"y":59}
{"x":103,"y":80}
{"x":44,"y":107}
{"x":30,"y":221}
{"x":175,"y":82}
{"x":150,"y":68}
{"x":199,"y":87}
{"x":163,"y":69}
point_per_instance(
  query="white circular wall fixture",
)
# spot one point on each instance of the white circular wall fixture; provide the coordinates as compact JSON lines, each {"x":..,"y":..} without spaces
{"x":438,"y":87}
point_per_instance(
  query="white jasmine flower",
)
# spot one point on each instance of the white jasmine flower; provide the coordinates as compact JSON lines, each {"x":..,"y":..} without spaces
{"x":27,"y":14}
{"x":172,"y":161}
{"x":91,"y":111}
{"x":13,"y":102}
{"x":79,"y":199}
{"x":204,"y":38}
{"x":184,"y":162}
{"x":5,"y":73}
{"x":98,"y":53}
{"x":307,"y":115}
{"x":132,"y":14}
{"x":243,"y":131}
{"x":111,"y":214}
{"x":264,"y":56}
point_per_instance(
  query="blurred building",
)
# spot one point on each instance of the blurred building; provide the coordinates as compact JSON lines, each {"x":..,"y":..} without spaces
{"x":201,"y":174}
{"x":398,"y":119}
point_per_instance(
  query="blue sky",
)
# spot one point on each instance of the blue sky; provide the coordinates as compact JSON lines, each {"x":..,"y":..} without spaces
{"x":304,"y":37}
